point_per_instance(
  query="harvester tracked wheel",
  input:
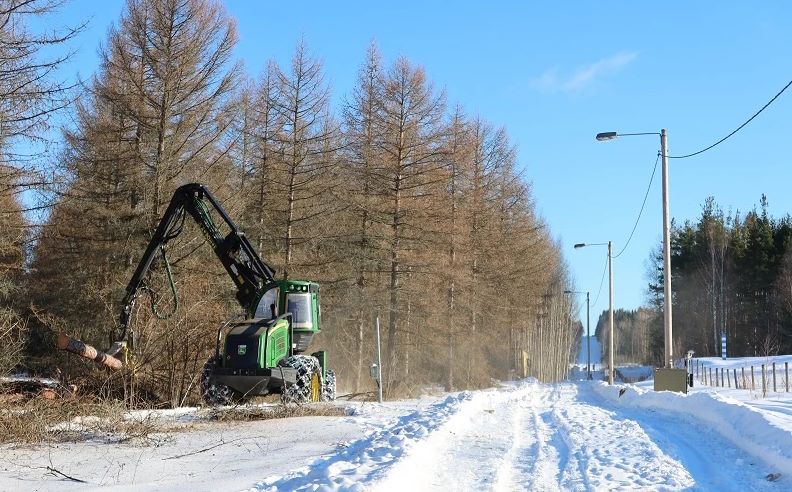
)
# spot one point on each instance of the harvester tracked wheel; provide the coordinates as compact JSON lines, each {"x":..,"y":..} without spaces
{"x":214,"y":394}
{"x":309,"y":379}
{"x":329,"y":386}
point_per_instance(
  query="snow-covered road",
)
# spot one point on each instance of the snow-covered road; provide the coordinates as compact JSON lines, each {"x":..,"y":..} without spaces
{"x":520,"y":436}
{"x":541,"y":438}
{"x":537,"y":437}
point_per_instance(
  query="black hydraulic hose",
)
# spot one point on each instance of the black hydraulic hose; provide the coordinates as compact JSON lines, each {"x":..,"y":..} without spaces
{"x":172,"y":283}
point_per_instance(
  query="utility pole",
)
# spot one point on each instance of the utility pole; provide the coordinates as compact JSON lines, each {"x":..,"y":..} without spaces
{"x":610,"y":300}
{"x":668,"y":355}
{"x":667,"y":296}
{"x":588,"y":337}
{"x":611,"y":367}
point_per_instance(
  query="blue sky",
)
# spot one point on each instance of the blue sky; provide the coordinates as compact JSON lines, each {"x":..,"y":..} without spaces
{"x":555,"y":74}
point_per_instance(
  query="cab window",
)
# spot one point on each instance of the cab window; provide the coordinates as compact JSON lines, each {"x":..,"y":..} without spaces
{"x":299,"y":305}
{"x":268,"y":305}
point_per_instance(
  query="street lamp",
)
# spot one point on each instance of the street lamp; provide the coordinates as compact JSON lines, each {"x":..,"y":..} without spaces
{"x":668,"y":356}
{"x":588,"y":335}
{"x":611,"y":367}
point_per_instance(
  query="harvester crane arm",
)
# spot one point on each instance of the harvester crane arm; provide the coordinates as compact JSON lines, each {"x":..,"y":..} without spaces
{"x":249,"y":273}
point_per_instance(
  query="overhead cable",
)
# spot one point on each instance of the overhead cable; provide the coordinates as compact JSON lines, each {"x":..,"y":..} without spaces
{"x":642,"y":207}
{"x":736,"y":130}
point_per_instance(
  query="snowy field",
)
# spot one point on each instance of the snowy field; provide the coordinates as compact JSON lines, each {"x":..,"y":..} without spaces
{"x":521,"y":436}
{"x":580,"y":435}
{"x":737,"y":362}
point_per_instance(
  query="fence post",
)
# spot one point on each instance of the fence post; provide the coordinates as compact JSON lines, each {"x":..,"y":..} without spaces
{"x":786,"y":375}
{"x":710,"y":376}
{"x":753,"y":381}
{"x":764,"y":381}
{"x":735,"y":379}
{"x":742,"y":370}
{"x":728,"y":381}
{"x":774,"y":379}
{"x":379,"y":364}
{"x":722,"y":385}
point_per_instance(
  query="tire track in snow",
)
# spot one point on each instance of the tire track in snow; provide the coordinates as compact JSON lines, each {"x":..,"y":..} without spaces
{"x":528,"y":436}
{"x":527,"y":443}
{"x":504,"y":478}
{"x":538,"y":453}
{"x":578,"y":446}
{"x":467,"y":453}
{"x":367,"y":460}
{"x":540,"y":461}
{"x":606,"y":452}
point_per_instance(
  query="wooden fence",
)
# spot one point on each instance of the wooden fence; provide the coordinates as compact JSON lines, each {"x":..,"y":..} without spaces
{"x":767,"y":378}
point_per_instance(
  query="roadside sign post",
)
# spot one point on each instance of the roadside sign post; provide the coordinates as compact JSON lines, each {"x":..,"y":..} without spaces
{"x":377,"y":368}
{"x":723,"y":345}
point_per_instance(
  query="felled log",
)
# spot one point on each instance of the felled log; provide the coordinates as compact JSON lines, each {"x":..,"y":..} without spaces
{"x":69,"y":344}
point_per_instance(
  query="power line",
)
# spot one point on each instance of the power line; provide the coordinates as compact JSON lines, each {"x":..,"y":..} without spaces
{"x":651,"y":179}
{"x":601,"y":282}
{"x":735,"y":131}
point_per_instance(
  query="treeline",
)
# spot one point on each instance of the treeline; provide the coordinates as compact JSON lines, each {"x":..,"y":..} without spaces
{"x":635,"y":336}
{"x":731,"y":275}
{"x":399,"y":206}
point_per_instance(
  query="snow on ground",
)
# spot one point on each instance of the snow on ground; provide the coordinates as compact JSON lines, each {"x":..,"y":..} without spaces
{"x":567,"y":436}
{"x":738,"y":362}
{"x":744,"y":426}
{"x":776,"y":407}
{"x":520,"y":436}
{"x":525,"y":436}
{"x":634,"y":373}
{"x":209,"y":456}
{"x":536,"y":437}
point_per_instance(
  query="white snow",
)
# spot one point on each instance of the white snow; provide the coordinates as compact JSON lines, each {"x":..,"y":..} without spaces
{"x":634,"y":373}
{"x":719,"y":417}
{"x":520,"y":436}
{"x":737,"y":362}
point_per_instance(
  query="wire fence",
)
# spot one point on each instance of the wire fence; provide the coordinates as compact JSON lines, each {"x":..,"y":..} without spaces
{"x":768,"y":378}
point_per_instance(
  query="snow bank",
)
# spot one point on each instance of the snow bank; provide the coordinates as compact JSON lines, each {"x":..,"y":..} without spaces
{"x":366,"y":460}
{"x":747,"y":428}
{"x":632,"y":374}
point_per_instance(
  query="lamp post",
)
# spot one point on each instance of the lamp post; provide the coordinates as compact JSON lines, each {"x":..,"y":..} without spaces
{"x":588,"y":335}
{"x":668,"y":356}
{"x":611,"y":367}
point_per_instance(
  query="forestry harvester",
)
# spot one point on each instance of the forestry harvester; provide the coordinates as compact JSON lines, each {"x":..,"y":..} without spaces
{"x":265,"y":351}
